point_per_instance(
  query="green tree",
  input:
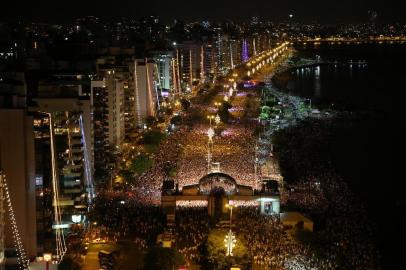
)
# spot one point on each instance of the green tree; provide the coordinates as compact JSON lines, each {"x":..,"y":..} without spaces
{"x":169,"y":111}
{"x":159,"y":258}
{"x":176,"y":120}
{"x":153,"y":136}
{"x":70,"y":262}
{"x":150,"y":121}
{"x":224,"y":113}
{"x":127,"y":175}
{"x":141,"y":164}
{"x":185,"y":104}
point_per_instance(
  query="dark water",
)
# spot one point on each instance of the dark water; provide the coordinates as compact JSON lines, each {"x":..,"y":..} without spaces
{"x":374,"y":84}
{"x":365,"y":152}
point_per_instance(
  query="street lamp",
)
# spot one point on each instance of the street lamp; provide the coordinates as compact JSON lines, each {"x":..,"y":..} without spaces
{"x":210,"y":134}
{"x":210,"y":117}
{"x":47,"y":259}
{"x":230,"y":243}
{"x":230,"y":91}
{"x":230,"y":206}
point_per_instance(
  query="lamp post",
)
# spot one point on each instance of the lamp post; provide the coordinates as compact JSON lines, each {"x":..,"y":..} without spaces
{"x":229,"y":206}
{"x":210,"y":117}
{"x":230,"y":237}
{"x":230,"y":243}
{"x":210,"y":134}
{"x":47,"y":259}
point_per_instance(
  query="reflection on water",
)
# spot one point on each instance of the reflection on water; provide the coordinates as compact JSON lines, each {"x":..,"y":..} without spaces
{"x":363,"y":76}
{"x":343,"y":82}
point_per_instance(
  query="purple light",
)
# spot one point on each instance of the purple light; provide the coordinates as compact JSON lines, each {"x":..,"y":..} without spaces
{"x":245,"y":56}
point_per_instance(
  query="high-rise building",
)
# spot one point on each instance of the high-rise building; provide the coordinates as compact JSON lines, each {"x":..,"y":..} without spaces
{"x":146,"y":93}
{"x":192,"y":60}
{"x":163,"y":62}
{"x":209,"y":62}
{"x":117,"y":76}
{"x":63,"y":125}
{"x":107,"y":94}
{"x":17,"y":164}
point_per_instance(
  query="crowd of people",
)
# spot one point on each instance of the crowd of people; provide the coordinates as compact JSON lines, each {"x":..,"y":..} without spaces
{"x":126,"y":218}
{"x":343,"y":241}
{"x":186,"y":149}
{"x":345,"y":236}
{"x":192,"y":227}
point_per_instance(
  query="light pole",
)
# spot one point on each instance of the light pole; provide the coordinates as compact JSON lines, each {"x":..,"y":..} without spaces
{"x":47,"y":259}
{"x":230,"y":237}
{"x":210,"y":134}
{"x":230,"y":243}
{"x":210,"y":117}
{"x":229,"y":206}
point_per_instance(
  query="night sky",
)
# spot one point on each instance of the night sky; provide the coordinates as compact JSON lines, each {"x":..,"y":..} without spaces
{"x":326,"y":11}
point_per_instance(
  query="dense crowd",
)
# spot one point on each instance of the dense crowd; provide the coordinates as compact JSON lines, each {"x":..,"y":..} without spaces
{"x":264,"y":235}
{"x":192,"y":227}
{"x":186,"y":149}
{"x":126,"y":218}
{"x":342,"y":239}
{"x":345,"y":236}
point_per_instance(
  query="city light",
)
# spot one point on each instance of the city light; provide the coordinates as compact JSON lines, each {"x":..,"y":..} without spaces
{"x":230,"y":242}
{"x":142,"y":134}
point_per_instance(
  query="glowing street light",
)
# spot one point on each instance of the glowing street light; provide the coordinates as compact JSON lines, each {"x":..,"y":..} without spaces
{"x":230,"y":91}
{"x":47,"y":259}
{"x":210,"y":133}
{"x":230,"y":206}
{"x":230,"y":243}
{"x":210,"y":117}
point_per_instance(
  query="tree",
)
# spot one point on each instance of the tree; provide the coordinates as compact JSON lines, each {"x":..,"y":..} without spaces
{"x":194,"y":117}
{"x":176,"y":120}
{"x":127,"y":175}
{"x":154,"y":137}
{"x":70,"y":263}
{"x":169,"y":111}
{"x":141,"y":164}
{"x":150,"y":121}
{"x":160,"y":258}
{"x":224,"y":113}
{"x":185,"y":104}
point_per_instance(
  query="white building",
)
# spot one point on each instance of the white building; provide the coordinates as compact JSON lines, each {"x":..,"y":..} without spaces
{"x":109,"y":92}
{"x":146,"y":94}
{"x":163,"y":61}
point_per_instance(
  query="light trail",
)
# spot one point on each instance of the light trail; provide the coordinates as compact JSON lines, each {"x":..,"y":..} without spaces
{"x":88,"y":172}
{"x":22,"y":257}
{"x":59,"y":234}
